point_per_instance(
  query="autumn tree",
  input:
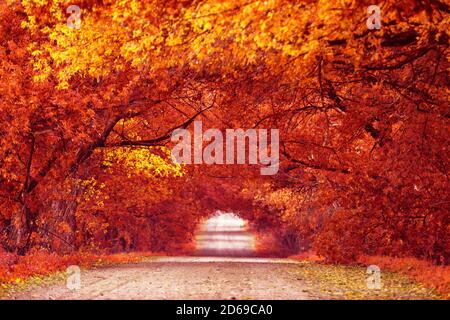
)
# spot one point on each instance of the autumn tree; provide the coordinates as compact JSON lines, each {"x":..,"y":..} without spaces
{"x":363,"y":114}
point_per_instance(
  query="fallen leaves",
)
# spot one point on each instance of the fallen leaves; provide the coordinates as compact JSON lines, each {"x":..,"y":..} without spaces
{"x":350,"y":282}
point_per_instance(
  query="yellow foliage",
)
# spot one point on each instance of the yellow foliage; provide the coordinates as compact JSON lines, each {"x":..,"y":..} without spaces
{"x":152,"y":37}
{"x":144,"y":160}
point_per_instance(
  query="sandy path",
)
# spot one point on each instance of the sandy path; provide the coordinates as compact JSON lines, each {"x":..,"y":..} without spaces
{"x":223,"y":268}
{"x":225,"y":235}
{"x":183,"y":278}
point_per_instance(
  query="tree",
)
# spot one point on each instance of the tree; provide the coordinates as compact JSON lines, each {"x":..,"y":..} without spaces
{"x":362,"y":113}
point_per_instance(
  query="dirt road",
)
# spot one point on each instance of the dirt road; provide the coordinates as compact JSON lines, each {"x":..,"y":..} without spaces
{"x":224,"y":267}
{"x":225,"y":235}
{"x":182,"y":278}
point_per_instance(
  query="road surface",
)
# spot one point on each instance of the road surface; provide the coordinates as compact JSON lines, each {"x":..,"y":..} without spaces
{"x":182,"y":278}
{"x":225,"y":235}
{"x":224,"y":266}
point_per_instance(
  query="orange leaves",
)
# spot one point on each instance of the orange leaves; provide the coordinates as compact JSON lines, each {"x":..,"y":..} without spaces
{"x":432,"y":276}
{"x":16,"y":270}
{"x":64,"y":227}
{"x":363,"y":117}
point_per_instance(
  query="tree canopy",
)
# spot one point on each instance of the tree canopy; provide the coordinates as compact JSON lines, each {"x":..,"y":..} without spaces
{"x":87,"y":113}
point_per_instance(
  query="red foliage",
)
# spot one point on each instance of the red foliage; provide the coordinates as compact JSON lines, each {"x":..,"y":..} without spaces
{"x":16,"y":269}
{"x":85,"y":127}
{"x":432,"y":276}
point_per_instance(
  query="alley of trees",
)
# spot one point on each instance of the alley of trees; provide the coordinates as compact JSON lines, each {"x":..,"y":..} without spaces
{"x":86,"y":116}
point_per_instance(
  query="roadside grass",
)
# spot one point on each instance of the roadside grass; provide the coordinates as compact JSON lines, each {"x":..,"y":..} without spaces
{"x":42,"y":268}
{"x":350,"y":283}
{"x":401,"y":278}
{"x":430,"y":275}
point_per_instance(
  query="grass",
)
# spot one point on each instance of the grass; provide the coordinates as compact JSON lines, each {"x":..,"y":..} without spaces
{"x":350,"y":282}
{"x":41,"y":268}
{"x":430,"y":275}
{"x":397,"y":271}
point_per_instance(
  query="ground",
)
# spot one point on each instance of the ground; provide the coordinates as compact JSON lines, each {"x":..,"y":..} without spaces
{"x":224,"y":267}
